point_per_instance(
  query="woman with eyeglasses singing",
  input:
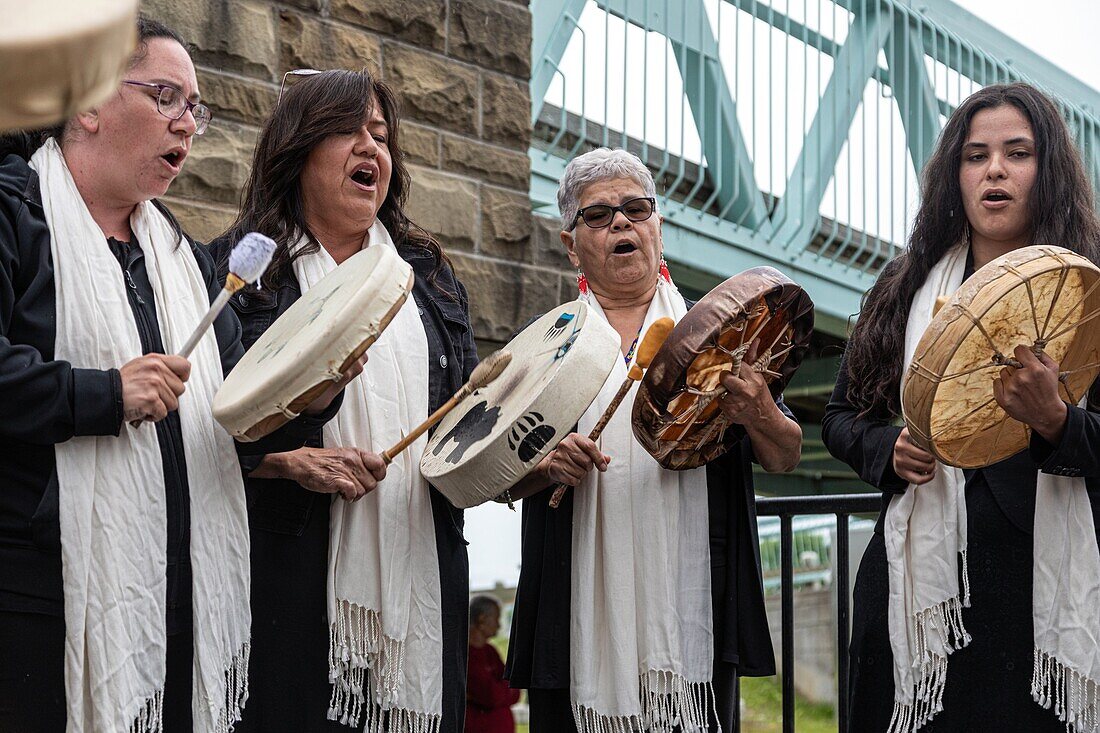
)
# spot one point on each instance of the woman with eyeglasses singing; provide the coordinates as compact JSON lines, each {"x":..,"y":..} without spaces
{"x":123,"y":526}
{"x":328,"y":180}
{"x":602,"y":639}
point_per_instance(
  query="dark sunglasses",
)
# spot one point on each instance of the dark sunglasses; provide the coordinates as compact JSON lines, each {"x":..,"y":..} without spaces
{"x":599,"y":216}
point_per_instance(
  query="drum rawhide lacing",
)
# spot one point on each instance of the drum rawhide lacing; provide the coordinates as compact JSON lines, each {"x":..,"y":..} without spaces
{"x":1039,"y":297}
{"x":677,"y":415}
{"x":707,"y":369}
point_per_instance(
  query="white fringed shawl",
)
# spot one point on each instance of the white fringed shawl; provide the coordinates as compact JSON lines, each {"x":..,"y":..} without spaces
{"x":111,"y":490}
{"x":386,"y":643}
{"x":641,"y":640}
{"x":926,"y":538}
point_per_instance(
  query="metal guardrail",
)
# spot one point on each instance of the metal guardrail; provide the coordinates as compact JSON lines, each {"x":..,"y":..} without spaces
{"x":782,"y":132}
{"x":842,"y":506}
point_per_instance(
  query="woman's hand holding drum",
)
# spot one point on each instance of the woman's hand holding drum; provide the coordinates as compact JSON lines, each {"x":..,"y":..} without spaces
{"x":1030,"y":394}
{"x":747,"y":398}
{"x":911,"y":463}
{"x":749,"y":403}
{"x":571,"y":461}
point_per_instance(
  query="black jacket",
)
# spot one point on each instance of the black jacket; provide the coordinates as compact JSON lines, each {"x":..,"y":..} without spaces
{"x":289,"y":524}
{"x":44,"y":401}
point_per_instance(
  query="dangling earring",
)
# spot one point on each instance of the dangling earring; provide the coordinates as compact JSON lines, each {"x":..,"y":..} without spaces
{"x":663,"y":270}
{"x":582,"y":282}
{"x":966,"y":231}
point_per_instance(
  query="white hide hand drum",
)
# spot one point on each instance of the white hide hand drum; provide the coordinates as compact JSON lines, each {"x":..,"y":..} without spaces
{"x":311,"y":345}
{"x":498,"y":433}
{"x":59,"y":57}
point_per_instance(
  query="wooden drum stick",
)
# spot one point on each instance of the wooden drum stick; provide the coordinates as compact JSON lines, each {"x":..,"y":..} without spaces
{"x":483,"y":374}
{"x":247,"y":262}
{"x":651,"y":343}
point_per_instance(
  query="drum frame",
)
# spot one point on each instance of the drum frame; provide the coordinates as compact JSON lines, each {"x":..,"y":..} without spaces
{"x":752,"y":300}
{"x":957,"y":320}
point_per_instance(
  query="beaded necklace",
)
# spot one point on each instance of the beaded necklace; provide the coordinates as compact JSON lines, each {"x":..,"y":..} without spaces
{"x":633,"y":346}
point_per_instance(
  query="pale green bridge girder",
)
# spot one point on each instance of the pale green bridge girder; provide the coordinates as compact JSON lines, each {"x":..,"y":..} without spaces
{"x":729,"y":224}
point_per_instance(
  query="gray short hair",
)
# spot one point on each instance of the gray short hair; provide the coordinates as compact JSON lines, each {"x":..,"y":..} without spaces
{"x":481,"y":605}
{"x":601,"y":164}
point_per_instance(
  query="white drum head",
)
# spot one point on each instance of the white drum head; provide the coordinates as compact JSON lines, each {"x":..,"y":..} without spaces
{"x":559,"y":364}
{"x":313,"y":342}
{"x":60,"y":57}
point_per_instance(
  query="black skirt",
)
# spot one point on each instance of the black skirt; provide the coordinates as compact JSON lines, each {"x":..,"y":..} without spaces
{"x":989,"y":681}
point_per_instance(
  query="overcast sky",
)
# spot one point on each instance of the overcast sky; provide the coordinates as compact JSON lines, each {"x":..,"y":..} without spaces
{"x":1066,"y":32}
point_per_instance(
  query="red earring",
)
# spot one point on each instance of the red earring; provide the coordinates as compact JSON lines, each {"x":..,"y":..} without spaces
{"x":582,"y":282}
{"x":664,"y":270}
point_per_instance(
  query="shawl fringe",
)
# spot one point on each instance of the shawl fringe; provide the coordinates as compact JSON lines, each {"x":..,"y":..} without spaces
{"x":365,"y":669}
{"x":669,"y":703}
{"x":150,"y":719}
{"x":1074,"y":697}
{"x":944,"y":620}
{"x":236,"y":690}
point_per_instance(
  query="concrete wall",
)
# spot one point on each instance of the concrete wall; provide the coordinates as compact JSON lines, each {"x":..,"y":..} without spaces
{"x":815,"y":663}
{"x":461,"y":70}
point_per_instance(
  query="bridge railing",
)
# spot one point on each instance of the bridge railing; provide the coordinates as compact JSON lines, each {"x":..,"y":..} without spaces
{"x":842,"y":507}
{"x":785,"y":132}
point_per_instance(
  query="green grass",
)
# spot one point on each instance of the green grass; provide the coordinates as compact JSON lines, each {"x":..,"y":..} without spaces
{"x":764,"y":709}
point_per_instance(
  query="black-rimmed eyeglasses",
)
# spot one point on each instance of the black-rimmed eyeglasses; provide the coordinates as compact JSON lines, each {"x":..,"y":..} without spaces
{"x":172,"y":103}
{"x":599,"y":216}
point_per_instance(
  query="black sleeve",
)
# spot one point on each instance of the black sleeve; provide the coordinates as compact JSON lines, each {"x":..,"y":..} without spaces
{"x":45,"y":402}
{"x":469,"y":348}
{"x":1078,"y":453}
{"x":864,"y":443}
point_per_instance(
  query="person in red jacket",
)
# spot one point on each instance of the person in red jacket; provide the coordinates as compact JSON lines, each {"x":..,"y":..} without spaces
{"x":489,"y":699}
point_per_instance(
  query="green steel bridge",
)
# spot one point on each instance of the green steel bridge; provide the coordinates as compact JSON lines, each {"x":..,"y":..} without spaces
{"x":782,"y":132}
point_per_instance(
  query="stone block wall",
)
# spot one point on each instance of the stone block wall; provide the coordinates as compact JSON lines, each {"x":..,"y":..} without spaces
{"x":461,"y":70}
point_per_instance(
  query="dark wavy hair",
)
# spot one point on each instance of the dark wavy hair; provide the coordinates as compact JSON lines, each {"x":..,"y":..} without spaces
{"x":330,"y":103}
{"x":25,"y":143}
{"x":1060,"y":207}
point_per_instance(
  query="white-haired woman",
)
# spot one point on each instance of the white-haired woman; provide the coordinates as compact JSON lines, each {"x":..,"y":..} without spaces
{"x":641,"y":633}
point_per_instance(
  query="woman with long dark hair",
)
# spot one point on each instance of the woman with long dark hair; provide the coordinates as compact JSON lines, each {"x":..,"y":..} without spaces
{"x":1005,"y":174}
{"x":336,"y":566}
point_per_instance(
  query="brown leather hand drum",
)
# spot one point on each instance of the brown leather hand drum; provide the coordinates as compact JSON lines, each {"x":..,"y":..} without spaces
{"x":676,"y":412}
{"x":1043,"y":297}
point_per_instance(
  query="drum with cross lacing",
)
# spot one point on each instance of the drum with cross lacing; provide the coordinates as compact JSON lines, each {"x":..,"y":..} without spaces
{"x":676,"y":414}
{"x":1043,"y":297}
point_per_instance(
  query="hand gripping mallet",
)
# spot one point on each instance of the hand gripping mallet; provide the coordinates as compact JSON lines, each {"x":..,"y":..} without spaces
{"x":247,"y":262}
{"x":651,"y":343}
